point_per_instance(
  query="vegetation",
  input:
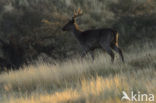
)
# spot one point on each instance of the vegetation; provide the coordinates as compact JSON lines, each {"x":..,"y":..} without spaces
{"x":81,"y":81}
{"x":31,"y":29}
{"x":47,"y":62}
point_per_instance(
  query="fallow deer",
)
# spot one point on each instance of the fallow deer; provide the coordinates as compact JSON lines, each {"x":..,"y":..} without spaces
{"x":89,"y":40}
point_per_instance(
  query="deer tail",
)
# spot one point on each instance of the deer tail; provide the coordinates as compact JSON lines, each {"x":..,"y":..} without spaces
{"x":117,"y":39}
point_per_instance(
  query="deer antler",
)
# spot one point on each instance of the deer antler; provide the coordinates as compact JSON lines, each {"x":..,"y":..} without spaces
{"x":78,"y":13}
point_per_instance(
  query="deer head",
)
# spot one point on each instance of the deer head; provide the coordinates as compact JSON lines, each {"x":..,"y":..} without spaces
{"x":71,"y":23}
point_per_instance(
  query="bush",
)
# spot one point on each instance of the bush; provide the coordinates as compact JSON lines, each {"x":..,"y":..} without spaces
{"x":35,"y":25}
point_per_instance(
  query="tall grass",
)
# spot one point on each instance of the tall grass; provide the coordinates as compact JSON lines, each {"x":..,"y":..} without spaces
{"x":78,"y":80}
{"x":81,"y":80}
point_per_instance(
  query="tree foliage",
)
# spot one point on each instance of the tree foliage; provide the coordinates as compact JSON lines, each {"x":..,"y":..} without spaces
{"x":31,"y":28}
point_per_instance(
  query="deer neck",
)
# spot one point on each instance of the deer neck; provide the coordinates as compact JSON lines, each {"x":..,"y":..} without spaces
{"x":76,"y":31}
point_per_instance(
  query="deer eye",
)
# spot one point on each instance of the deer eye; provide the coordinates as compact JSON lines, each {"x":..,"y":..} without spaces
{"x":72,"y":21}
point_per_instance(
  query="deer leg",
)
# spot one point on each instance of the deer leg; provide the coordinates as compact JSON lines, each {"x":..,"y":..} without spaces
{"x":92,"y":55}
{"x":118,"y":50}
{"x":109,"y":51}
{"x":84,"y":52}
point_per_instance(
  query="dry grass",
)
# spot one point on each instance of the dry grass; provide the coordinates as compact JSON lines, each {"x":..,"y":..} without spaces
{"x":81,"y":81}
